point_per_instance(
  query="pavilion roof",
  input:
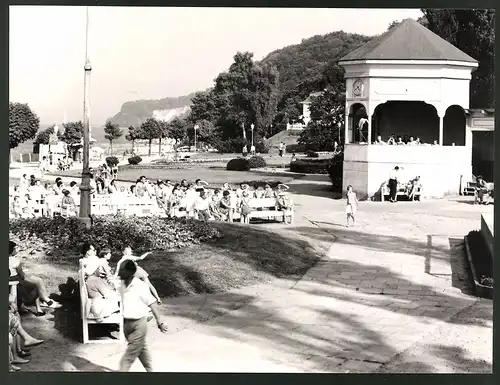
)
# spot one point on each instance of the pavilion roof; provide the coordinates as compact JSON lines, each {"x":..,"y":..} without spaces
{"x":409,"y":40}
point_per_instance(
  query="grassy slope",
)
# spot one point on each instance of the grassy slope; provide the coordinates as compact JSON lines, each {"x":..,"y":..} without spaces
{"x":245,"y":255}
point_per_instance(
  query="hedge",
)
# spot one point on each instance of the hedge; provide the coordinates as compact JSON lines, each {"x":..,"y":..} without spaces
{"x":257,"y":162}
{"x":135,"y":160}
{"x":238,"y":164}
{"x":310,"y":166}
{"x":115,"y":232}
{"x":112,"y":161}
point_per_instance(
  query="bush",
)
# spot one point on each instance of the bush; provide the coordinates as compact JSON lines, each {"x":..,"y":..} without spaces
{"x":262,"y":147}
{"x":140,"y":233}
{"x":335,"y":171}
{"x":112,"y":161}
{"x":257,"y":162}
{"x":312,"y":154}
{"x":295,"y":148}
{"x":238,"y":164}
{"x":135,"y":160}
{"x":310,"y":166}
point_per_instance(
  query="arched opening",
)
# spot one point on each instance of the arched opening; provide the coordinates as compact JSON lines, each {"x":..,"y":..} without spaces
{"x":357,"y":112}
{"x":406,"y":119}
{"x":454,"y":126}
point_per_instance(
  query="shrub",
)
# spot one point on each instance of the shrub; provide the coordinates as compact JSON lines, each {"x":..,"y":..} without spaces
{"x":141,"y":233}
{"x":291,"y":148}
{"x":310,"y":166}
{"x":112,"y":161}
{"x":312,"y":154}
{"x":257,"y":162}
{"x":262,"y":147}
{"x":238,"y":164}
{"x":335,"y":170}
{"x":135,"y":160}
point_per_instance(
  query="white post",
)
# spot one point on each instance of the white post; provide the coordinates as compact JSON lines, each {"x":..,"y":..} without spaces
{"x":441,"y":125}
{"x":369,"y":129}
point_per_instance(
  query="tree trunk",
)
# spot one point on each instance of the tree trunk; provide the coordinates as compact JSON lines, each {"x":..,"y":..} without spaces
{"x":244,"y":132}
{"x":133,"y":145}
{"x":150,"y":143}
{"x":159,"y":147}
{"x":111,"y":147}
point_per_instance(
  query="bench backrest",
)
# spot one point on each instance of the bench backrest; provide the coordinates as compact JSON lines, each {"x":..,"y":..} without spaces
{"x":84,"y":295}
{"x":262,"y":202}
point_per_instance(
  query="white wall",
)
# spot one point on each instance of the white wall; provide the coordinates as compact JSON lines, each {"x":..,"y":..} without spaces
{"x":440,"y":168}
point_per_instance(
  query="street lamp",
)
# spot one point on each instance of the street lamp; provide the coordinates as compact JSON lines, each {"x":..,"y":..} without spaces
{"x":85,"y":185}
{"x":196,"y":126}
{"x":252,"y":126}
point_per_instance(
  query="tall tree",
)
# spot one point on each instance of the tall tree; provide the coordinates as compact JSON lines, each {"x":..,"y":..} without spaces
{"x":112,"y":132}
{"x":132,"y":135}
{"x":23,"y":124}
{"x":177,"y":130}
{"x":204,"y":134}
{"x":327,"y":120}
{"x":151,"y":129}
{"x":73,"y":133}
{"x":473,"y":32}
{"x":163,"y":134}
{"x":43,"y":136}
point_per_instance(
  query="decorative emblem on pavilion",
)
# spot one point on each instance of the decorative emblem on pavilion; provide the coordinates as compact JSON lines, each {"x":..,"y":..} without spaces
{"x":406,"y":83}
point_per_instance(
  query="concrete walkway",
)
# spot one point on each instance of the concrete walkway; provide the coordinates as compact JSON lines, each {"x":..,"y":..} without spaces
{"x":392,"y":295}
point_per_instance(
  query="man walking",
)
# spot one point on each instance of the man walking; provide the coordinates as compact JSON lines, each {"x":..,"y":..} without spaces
{"x":281,"y":149}
{"x":393,"y":184}
{"x":137,"y":300}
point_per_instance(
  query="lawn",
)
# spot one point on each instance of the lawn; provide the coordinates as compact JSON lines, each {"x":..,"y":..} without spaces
{"x":213,"y":176}
{"x":245,"y":255}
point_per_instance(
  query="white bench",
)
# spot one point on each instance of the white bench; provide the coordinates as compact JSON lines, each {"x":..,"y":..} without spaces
{"x":267,"y":208}
{"x":116,"y":318}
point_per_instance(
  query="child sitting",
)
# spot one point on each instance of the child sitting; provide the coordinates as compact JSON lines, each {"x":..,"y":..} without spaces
{"x":202,"y":207}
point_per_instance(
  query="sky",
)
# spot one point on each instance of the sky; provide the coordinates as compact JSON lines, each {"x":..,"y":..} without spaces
{"x":152,"y":53}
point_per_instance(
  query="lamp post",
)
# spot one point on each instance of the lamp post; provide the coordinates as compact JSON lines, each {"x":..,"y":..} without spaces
{"x":196,"y":126}
{"x":252,"y":126}
{"x":85,"y":185}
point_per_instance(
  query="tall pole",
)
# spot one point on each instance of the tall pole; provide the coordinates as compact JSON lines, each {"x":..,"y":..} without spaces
{"x":85,"y":204}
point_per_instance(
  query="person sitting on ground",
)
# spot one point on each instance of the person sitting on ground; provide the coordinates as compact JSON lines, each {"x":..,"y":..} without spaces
{"x":391,"y":140}
{"x":202,"y":207}
{"x":226,"y":187}
{"x":184,"y":185}
{"x":294,"y":157}
{"x":74,"y":191}
{"x":24,"y":183}
{"x":132,"y":192}
{"x":140,"y":273}
{"x":103,"y":296}
{"x":400,"y":142}
{"x":269,"y":192}
{"x":68,"y":203}
{"x":31,"y":289}
{"x":379,"y":140}
{"x":225,"y":206}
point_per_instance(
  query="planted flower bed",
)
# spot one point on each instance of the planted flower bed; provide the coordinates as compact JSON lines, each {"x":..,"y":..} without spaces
{"x":481,"y":264}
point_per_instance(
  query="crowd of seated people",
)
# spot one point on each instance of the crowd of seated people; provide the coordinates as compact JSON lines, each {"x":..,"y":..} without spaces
{"x":30,"y":291}
{"x":196,"y":199}
{"x":399,"y":141}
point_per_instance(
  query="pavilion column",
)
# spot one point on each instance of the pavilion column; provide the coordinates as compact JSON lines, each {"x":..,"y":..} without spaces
{"x":347,"y":123}
{"x":441,"y":127}
{"x":369,"y":129}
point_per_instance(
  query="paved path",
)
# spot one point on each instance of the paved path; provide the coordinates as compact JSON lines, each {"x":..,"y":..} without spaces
{"x":392,"y":295}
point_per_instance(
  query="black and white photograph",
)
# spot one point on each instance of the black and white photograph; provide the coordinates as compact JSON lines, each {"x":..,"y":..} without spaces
{"x":251,"y":190}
